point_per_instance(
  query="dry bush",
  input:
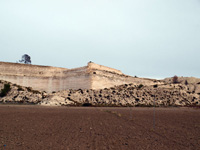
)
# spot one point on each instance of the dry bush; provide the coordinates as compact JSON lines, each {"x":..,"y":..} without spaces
{"x":175,"y":79}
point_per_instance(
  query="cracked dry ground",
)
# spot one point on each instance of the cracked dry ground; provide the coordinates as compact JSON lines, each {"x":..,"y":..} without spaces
{"x":78,"y":128}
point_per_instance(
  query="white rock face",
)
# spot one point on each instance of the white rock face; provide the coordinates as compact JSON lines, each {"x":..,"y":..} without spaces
{"x":55,"y":100}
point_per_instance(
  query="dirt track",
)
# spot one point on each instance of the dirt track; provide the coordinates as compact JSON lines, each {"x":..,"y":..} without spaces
{"x":68,"y":128}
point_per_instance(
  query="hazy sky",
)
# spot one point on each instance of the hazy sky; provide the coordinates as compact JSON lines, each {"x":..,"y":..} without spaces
{"x":147,"y":38}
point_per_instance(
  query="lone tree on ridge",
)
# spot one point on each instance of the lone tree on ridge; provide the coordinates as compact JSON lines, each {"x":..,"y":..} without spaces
{"x":26,"y":59}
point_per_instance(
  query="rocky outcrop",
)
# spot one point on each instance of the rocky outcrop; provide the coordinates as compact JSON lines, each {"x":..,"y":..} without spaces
{"x":167,"y":94}
{"x":49,"y":79}
{"x":135,"y":95}
{"x":20,"y":94}
{"x":192,"y":83}
{"x":54,"y":100}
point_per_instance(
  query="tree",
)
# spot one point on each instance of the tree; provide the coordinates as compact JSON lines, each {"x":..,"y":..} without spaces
{"x":186,"y":82}
{"x":175,"y":79}
{"x":25,"y":59}
{"x":5,"y":90}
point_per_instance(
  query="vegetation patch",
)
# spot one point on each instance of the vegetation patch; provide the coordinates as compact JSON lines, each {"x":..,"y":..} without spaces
{"x":87,"y":104}
{"x":155,"y":86}
{"x":5,"y":90}
{"x":33,"y":91}
{"x":140,"y":86}
{"x":20,"y":88}
{"x":144,"y":105}
{"x":29,"y":89}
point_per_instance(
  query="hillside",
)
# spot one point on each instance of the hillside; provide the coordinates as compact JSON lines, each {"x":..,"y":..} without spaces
{"x":192,"y":83}
{"x":19,"y":94}
{"x":166,"y":94}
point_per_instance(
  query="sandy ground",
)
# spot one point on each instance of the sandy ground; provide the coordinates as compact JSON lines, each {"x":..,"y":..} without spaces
{"x":78,"y":128}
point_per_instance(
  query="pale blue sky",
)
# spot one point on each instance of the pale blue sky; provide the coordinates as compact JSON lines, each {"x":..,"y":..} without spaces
{"x":147,"y":38}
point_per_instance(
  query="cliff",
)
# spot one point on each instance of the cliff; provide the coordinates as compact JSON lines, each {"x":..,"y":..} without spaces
{"x":46,"y":78}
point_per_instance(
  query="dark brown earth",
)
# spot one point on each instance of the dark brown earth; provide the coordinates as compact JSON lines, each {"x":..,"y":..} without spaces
{"x":78,"y":128}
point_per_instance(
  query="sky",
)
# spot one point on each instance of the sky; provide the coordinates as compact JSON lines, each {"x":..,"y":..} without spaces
{"x":144,"y":38}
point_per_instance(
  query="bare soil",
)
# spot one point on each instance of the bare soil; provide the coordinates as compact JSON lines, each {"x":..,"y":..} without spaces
{"x":97,"y":128}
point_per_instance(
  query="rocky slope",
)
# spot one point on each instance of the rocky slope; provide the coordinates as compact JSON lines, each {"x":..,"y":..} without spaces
{"x":129,"y":95}
{"x":19,"y":94}
{"x":192,"y":83}
{"x":166,"y":94}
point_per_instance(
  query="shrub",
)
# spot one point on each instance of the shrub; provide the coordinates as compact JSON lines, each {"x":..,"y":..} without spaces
{"x":5,"y":90}
{"x":140,"y":86}
{"x":144,"y":105}
{"x":29,"y":89}
{"x":137,"y":99}
{"x":175,"y":79}
{"x":186,"y":82}
{"x":35,"y":92}
{"x":20,"y":88}
{"x":155,"y":86}
{"x":87,"y":104}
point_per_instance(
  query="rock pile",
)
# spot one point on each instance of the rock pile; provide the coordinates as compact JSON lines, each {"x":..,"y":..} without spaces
{"x":19,"y":94}
{"x":166,"y":94}
{"x":134,"y":95}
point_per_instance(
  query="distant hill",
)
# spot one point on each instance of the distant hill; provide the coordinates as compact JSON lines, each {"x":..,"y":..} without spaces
{"x":192,"y":83}
{"x":190,"y":80}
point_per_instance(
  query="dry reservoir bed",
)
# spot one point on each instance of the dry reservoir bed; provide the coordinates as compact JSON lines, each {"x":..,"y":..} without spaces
{"x":78,"y":128}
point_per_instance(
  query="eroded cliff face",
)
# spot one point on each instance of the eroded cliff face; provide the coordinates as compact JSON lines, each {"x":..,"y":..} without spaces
{"x":49,"y":79}
{"x":104,"y":79}
{"x":94,"y":84}
{"x":45,"y":78}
